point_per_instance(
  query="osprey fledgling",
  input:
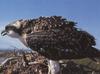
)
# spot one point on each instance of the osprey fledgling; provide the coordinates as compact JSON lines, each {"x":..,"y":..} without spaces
{"x":53,"y":37}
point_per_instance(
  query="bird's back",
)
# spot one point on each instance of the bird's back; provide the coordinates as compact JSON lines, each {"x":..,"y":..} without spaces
{"x":55,"y":36}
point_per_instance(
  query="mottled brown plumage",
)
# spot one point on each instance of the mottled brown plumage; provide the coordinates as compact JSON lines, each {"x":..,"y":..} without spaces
{"x":56,"y":38}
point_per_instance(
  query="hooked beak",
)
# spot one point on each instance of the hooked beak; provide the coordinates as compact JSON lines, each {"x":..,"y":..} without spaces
{"x":3,"y":33}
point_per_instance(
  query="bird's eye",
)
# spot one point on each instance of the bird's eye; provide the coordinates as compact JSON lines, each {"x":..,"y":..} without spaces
{"x":7,"y":27}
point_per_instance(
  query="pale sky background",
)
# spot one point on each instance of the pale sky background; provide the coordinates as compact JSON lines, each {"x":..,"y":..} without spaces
{"x":85,"y":12}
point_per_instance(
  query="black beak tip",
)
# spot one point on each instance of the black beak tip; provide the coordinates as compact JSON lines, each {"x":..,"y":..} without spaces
{"x":3,"y":33}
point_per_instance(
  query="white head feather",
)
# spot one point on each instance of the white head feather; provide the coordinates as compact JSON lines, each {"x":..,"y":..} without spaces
{"x":17,"y":24}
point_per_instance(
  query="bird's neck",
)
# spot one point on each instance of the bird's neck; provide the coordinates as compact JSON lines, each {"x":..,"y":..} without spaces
{"x":23,"y":39}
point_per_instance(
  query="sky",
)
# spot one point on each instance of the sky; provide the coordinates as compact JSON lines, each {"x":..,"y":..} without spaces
{"x":85,"y":12}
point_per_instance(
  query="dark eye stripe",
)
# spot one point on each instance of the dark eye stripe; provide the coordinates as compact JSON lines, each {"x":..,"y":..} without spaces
{"x":10,"y":27}
{"x":7,"y":28}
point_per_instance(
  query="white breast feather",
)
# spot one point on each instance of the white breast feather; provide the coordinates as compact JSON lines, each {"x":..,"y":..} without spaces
{"x":23,"y":40}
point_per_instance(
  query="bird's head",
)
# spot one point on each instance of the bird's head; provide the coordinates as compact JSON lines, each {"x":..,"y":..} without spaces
{"x":13,"y":29}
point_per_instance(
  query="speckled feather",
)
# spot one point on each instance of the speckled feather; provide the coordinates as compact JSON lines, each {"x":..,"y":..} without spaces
{"x":57,"y":38}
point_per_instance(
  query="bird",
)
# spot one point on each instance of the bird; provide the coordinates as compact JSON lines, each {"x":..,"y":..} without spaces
{"x":53,"y":37}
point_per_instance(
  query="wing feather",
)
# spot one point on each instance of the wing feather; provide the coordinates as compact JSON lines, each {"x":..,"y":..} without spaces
{"x":55,"y":37}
